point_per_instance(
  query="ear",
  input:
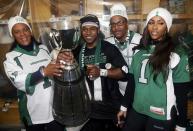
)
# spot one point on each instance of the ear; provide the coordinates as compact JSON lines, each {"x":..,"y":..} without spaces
{"x":127,"y":23}
{"x":127,"y":26}
{"x":32,"y":33}
{"x":98,"y":30}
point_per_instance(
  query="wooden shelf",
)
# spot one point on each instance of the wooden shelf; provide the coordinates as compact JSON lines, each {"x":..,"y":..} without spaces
{"x":182,"y":16}
{"x":136,"y":17}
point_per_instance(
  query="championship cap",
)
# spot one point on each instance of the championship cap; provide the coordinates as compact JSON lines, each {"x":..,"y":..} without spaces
{"x":16,"y":20}
{"x":119,"y":9}
{"x":162,"y":12}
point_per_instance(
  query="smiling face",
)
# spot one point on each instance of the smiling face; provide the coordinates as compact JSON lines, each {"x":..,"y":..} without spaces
{"x":119,"y":27}
{"x":157,"y":28}
{"x":22,"y":34}
{"x":90,"y":34}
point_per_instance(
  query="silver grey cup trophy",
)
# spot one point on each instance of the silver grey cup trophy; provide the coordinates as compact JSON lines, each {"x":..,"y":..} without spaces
{"x":71,"y":99}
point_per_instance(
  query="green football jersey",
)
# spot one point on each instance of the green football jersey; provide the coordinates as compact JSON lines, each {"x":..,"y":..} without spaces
{"x":155,"y":98}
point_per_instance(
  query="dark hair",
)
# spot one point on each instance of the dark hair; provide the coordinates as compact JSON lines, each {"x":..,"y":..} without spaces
{"x":160,"y":58}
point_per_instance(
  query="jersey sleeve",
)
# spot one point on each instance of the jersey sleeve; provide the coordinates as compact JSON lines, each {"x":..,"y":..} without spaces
{"x":181,"y":72}
{"x":133,"y":62}
{"x":17,"y":76}
{"x":181,"y":79}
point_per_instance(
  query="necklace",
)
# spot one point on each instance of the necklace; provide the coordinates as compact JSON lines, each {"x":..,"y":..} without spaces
{"x":97,"y":54}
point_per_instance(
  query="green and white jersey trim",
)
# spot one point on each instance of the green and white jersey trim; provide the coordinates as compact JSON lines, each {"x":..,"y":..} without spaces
{"x":35,"y":101}
{"x":131,"y":41}
{"x":156,"y":98}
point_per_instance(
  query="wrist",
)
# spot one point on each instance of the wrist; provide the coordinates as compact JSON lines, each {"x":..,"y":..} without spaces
{"x":42,"y":71}
{"x":103,"y":72}
{"x":122,"y":108}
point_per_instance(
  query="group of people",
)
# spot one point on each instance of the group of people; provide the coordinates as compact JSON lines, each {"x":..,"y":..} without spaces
{"x":140,"y":80}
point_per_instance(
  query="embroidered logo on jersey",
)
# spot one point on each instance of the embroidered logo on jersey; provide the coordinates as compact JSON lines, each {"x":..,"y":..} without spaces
{"x":157,"y":110}
{"x":14,"y":75}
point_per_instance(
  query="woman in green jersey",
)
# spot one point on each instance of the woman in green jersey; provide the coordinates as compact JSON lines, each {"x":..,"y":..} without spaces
{"x":159,"y":71}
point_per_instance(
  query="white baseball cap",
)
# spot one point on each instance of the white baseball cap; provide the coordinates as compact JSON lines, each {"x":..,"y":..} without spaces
{"x":118,"y":9}
{"x":16,"y":20}
{"x":162,"y":12}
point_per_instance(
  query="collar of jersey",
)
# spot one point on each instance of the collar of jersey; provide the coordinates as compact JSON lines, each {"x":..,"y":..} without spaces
{"x":34,"y":52}
{"x":124,"y":46}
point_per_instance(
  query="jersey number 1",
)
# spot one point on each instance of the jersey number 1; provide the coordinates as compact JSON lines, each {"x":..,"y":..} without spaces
{"x":142,"y":78}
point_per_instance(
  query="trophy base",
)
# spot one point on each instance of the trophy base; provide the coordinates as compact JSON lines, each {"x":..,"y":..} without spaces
{"x":71,"y":102}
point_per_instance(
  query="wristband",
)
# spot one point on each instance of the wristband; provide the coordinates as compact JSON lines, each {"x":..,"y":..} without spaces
{"x":42,"y":71}
{"x":179,"y":128}
{"x":103,"y":72}
{"x":122,"y":108}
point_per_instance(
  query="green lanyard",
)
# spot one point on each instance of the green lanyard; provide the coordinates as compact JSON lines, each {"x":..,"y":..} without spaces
{"x":97,"y":54}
